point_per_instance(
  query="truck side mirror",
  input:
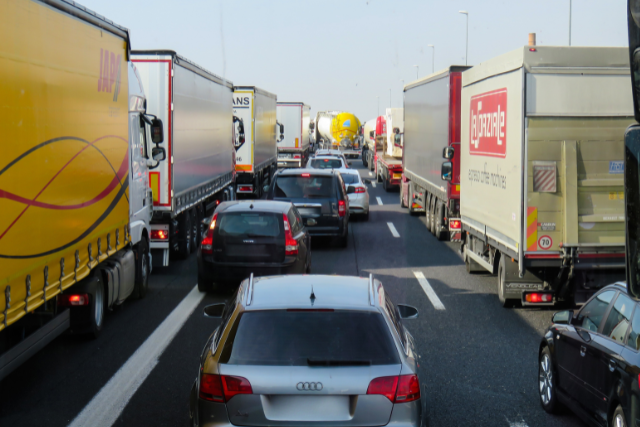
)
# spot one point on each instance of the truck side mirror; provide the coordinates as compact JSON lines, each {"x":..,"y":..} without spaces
{"x":157,"y":131}
{"x":446,"y":172}
{"x":447,"y":153}
{"x":396,"y":130}
{"x":158,"y":154}
{"x":371,"y":134}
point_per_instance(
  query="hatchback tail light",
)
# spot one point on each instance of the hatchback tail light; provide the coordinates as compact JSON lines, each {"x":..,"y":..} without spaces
{"x":221,"y":388}
{"x":342,"y":208}
{"x":291,"y":244}
{"x":207,"y":242}
{"x":360,"y":190}
{"x":398,"y":389}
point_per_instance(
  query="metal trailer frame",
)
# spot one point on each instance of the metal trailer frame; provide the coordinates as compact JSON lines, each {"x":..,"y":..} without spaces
{"x":301,"y":138}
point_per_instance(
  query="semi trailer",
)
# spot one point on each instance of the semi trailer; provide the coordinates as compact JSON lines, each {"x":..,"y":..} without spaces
{"x":368,"y":140}
{"x":388,"y":157}
{"x":338,"y":130}
{"x":293,"y":146}
{"x":196,"y":108}
{"x":432,"y":131}
{"x":257,"y":152}
{"x":77,"y":149}
{"x":541,"y":171}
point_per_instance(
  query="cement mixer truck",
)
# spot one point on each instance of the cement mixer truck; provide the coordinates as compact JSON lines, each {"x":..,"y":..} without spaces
{"x":339,"y":131}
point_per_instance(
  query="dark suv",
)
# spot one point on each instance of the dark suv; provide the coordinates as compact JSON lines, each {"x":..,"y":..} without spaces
{"x":252,"y":236}
{"x":321,"y":199}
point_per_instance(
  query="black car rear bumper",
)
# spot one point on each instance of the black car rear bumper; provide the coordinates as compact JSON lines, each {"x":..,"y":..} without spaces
{"x":325,"y":231}
{"x":236,"y":272}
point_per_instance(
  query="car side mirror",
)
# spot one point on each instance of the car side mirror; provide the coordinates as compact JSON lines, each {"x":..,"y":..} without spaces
{"x":396,"y":130}
{"x":563,"y":317}
{"x":351,"y":189}
{"x":158,"y":154}
{"x":446,"y":171}
{"x":214,"y":310}
{"x":447,"y":153}
{"x":157,"y":131}
{"x":407,"y":311}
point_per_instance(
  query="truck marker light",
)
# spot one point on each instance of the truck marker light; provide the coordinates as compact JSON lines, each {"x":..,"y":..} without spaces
{"x":159,"y":235}
{"x":248,"y":188}
{"x":532,"y":49}
{"x":454,"y":224}
{"x":74,"y":300}
{"x":539,"y":297}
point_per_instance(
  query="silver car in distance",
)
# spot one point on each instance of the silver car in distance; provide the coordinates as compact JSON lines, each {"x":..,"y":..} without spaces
{"x":308,"y":350}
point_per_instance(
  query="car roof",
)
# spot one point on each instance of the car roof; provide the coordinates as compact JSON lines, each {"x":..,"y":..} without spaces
{"x":254,"y":206}
{"x":327,"y":156}
{"x":620,"y":286}
{"x":312,"y":292}
{"x":300,"y":171}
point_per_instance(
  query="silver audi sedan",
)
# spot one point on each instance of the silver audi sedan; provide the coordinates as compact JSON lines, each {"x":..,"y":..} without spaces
{"x":309,"y":350}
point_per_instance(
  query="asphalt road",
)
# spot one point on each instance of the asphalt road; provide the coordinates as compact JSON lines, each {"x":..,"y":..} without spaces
{"x":478,"y":360}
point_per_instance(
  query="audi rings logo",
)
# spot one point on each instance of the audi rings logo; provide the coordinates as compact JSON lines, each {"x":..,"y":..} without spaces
{"x":309,"y":386}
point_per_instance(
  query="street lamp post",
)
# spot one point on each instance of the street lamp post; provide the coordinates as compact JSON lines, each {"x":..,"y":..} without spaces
{"x":570,"y":22}
{"x":417,"y":69}
{"x":466,"y":52}
{"x":433,"y":58}
{"x":390,"y":106}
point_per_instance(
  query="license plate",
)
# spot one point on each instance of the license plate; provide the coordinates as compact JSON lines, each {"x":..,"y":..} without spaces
{"x":397,"y":175}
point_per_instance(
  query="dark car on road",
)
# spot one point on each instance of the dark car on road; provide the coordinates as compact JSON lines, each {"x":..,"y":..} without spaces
{"x":321,"y":198}
{"x":309,"y":351}
{"x":589,"y":360}
{"x":252,"y":236}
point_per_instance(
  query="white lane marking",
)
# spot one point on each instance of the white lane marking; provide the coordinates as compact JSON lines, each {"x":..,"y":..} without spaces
{"x":379,"y":200}
{"x":392,"y":227}
{"x":106,"y":406}
{"x":426,"y":287}
{"x":373,"y":184}
{"x":516,"y":423}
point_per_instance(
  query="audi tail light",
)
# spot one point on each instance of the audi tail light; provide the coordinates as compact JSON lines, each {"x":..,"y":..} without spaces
{"x":398,"y":389}
{"x":291,"y":244}
{"x":159,"y":235}
{"x":207,"y":242}
{"x":342,"y":208}
{"x":221,"y":388}
{"x":360,"y":190}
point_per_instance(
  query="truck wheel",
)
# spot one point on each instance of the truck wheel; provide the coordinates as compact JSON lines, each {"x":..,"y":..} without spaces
{"x":195,"y":229}
{"x":502,"y":279}
{"x":364,"y":159}
{"x":96,"y":311}
{"x":427,"y":205}
{"x":370,"y":161}
{"x":440,"y":235}
{"x":402,"y":204}
{"x":142,"y":269}
{"x":184,"y":235}
{"x":385,"y":183}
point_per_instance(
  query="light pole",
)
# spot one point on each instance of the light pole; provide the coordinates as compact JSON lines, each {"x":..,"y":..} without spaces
{"x":390,"y":106}
{"x":417,"y":69}
{"x":466,"y":52}
{"x":570,"y":22}
{"x":433,"y":58}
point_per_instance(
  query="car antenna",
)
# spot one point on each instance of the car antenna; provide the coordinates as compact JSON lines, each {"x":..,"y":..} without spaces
{"x":312,"y":297}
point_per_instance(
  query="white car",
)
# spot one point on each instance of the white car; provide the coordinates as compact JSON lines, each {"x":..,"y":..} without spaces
{"x":357,"y":193}
{"x":328,"y":162}
{"x":331,"y":153}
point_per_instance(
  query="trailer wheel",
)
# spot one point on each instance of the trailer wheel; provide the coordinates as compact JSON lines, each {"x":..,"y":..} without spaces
{"x":142,"y":269}
{"x":427,"y":211}
{"x":440,"y":235}
{"x":370,"y":161}
{"x":364,"y":158}
{"x":402,"y":203}
{"x":184,"y":235}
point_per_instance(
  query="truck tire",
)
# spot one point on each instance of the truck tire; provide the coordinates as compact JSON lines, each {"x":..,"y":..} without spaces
{"x":385,"y":183}
{"x":432,"y":214}
{"x":184,"y":235}
{"x":402,"y":203}
{"x":364,"y":158}
{"x":195,"y":229}
{"x":440,"y":234}
{"x":427,"y":204}
{"x":502,"y":278}
{"x":96,"y":309}
{"x":370,"y":161}
{"x":142,"y":269}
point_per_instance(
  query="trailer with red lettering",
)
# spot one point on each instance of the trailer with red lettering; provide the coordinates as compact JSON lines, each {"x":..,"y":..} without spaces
{"x":541,"y":171}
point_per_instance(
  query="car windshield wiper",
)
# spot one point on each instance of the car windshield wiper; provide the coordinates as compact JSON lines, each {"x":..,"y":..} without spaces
{"x":338,"y":362}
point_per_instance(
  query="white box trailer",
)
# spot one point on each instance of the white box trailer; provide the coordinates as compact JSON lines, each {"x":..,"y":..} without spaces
{"x":256,"y":151}
{"x":542,"y":201}
{"x":196,"y":108}
{"x":293,"y":146}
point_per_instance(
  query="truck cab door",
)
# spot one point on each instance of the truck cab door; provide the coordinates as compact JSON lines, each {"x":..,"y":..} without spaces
{"x":140,"y":201}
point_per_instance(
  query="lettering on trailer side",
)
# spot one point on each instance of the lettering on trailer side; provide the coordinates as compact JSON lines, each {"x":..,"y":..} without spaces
{"x":109,"y":79}
{"x":488,"y":124}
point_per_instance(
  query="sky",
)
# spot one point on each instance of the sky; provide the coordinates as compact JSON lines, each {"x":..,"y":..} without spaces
{"x":354,"y":55}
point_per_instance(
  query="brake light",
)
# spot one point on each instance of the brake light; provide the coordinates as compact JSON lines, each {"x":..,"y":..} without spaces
{"x":211,"y":388}
{"x":306,"y":175}
{"x":538,"y":297}
{"x":290,"y":244}
{"x":342,"y":208}
{"x":207,"y":242}
{"x":296,"y":156}
{"x":159,"y":235}
{"x":398,"y":389}
{"x":232,"y":386}
{"x":326,"y":160}
{"x":360,"y":189}
{"x":454,"y":224}
{"x":73,"y":300}
{"x":245,"y":188}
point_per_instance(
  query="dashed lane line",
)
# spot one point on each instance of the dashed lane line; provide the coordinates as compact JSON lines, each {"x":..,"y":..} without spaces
{"x":106,"y":406}
{"x":379,"y":200}
{"x":373,"y":184}
{"x":426,"y":287}
{"x":392,"y":227}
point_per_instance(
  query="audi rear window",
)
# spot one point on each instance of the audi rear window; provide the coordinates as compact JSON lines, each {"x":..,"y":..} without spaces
{"x":303,"y":187}
{"x":310,"y":338}
{"x":255,"y":224}
{"x":326,"y":163}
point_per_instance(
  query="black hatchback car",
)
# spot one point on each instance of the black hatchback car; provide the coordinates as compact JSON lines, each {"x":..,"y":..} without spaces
{"x":320,"y":196}
{"x":590,"y":361}
{"x":252,"y":236}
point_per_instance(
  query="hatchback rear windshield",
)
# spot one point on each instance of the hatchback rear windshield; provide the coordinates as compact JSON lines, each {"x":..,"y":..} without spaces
{"x":253,"y":224}
{"x":315,"y":338}
{"x":350,"y":179}
{"x":326,"y":163}
{"x":295,"y":187}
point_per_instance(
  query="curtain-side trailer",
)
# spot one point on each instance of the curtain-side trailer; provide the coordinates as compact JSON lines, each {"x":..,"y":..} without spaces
{"x":195,"y":106}
{"x":256,"y":152}
{"x":432,"y":130}
{"x":542,"y":196}
{"x":76,"y":152}
{"x":293,"y":145}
